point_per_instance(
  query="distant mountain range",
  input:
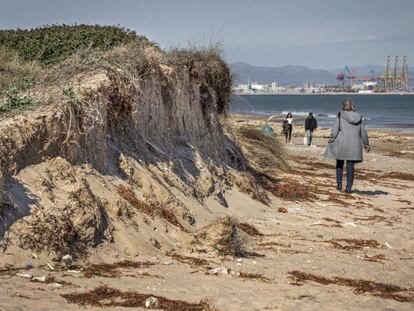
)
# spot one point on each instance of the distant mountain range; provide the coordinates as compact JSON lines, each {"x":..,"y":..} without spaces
{"x":289,"y":74}
{"x":282,"y":75}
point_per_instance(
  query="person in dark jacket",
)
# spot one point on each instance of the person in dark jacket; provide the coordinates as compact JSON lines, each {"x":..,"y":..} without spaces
{"x":285,"y":130}
{"x":310,"y":125}
{"x":348,"y":136}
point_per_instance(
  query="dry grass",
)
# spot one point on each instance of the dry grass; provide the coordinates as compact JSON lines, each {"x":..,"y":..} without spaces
{"x":53,"y":232}
{"x":206,"y":65}
{"x":263,"y":151}
{"x":14,"y":71}
{"x":224,"y":236}
{"x":247,"y":184}
{"x":230,"y":243}
{"x":386,"y":291}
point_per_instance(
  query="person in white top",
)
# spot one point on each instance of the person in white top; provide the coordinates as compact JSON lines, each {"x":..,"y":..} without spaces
{"x":289,"y":119}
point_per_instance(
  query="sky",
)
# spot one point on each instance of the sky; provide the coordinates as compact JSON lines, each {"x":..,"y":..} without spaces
{"x":323,"y":34}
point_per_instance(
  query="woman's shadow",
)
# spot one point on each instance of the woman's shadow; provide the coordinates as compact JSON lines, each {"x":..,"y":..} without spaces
{"x":371,"y":193}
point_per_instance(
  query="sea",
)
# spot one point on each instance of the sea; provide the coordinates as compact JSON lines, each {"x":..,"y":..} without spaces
{"x":378,"y":110}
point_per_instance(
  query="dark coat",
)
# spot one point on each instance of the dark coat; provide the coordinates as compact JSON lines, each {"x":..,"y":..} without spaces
{"x":348,"y":136}
{"x":311,"y":124}
{"x":286,"y":126}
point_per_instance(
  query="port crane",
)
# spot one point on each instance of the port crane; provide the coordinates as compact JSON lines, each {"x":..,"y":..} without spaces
{"x":392,"y":79}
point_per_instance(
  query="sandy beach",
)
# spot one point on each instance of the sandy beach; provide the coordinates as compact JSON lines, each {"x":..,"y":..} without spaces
{"x":140,"y":173}
{"x":313,"y":248}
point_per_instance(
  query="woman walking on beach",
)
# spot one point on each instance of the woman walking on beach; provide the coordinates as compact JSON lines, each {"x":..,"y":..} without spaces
{"x":348,"y":136}
{"x":289,"y":120}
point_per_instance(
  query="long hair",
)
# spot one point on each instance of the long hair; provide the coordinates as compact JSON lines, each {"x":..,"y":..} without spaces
{"x":289,"y":115}
{"x":348,"y":105}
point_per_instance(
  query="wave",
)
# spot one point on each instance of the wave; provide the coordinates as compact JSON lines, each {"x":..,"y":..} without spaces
{"x":326,"y":115}
{"x":295,"y":113}
{"x":303,"y":113}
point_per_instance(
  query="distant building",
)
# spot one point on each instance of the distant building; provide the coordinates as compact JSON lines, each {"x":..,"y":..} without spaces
{"x":369,"y":85}
{"x":307,"y":85}
{"x":242,"y":88}
{"x":256,"y":86}
{"x":358,"y":87}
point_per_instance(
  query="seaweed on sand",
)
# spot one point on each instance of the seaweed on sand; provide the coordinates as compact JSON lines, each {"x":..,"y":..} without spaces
{"x":104,"y":296}
{"x":112,"y":270}
{"x":129,"y":195}
{"x":192,"y":261}
{"x":383,"y":290}
{"x":353,"y":244}
{"x":254,"y":276}
{"x":288,"y":189}
{"x":249,"y":229}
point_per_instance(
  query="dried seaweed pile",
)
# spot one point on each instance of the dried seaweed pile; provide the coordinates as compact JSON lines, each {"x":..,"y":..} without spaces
{"x":353,"y":244}
{"x":288,"y":189}
{"x":128,"y":195}
{"x":249,"y":229}
{"x":192,"y":261}
{"x":387,"y":291}
{"x":112,"y":270}
{"x":109,"y":297}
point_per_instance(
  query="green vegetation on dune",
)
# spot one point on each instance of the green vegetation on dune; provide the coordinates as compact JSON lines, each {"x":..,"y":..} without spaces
{"x":52,"y":44}
{"x":15,"y":100}
{"x":31,"y":60}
